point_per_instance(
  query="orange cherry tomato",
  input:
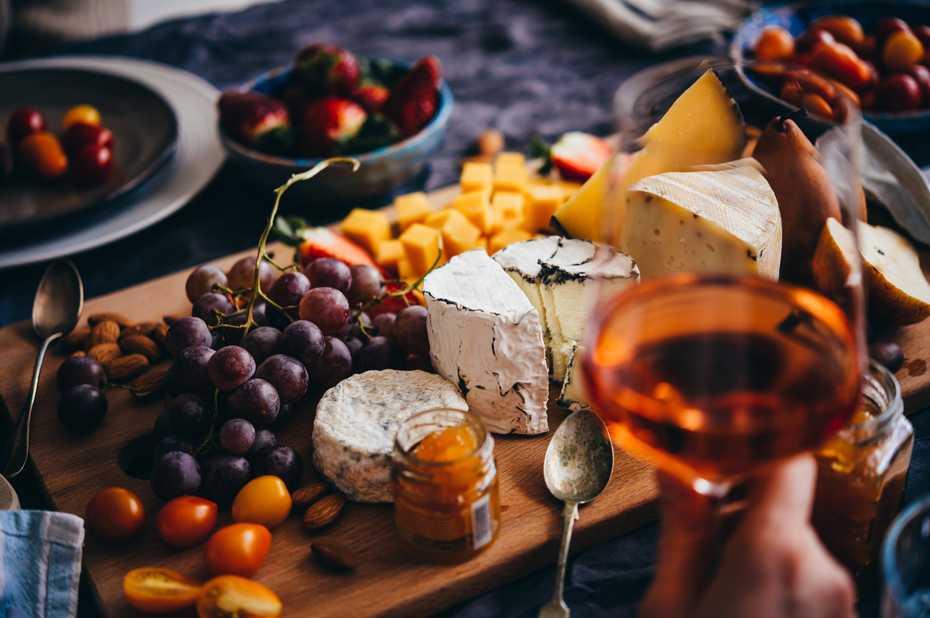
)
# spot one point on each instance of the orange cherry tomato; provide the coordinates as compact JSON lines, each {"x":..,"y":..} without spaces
{"x":817,"y":105}
{"x":238,"y":549}
{"x":42,"y":153}
{"x":229,"y":596}
{"x":157,"y":591}
{"x":775,"y":43}
{"x":115,"y":514}
{"x":844,"y":28}
{"x":186,"y":521}
{"x":86,"y":114}
{"x":902,"y":51}
{"x":263,"y":500}
{"x":841,"y":62}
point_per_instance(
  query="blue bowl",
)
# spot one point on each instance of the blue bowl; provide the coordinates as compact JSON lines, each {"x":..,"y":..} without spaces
{"x":796,"y":17}
{"x":381,"y":171}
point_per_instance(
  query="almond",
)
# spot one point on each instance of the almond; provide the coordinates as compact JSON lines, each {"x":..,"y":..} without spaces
{"x":103,"y":353}
{"x":108,"y":316}
{"x":150,"y":382}
{"x":142,"y":328}
{"x":78,"y":338}
{"x":140,"y":344}
{"x":104,"y":332}
{"x":323,"y":512}
{"x":307,"y":495}
{"x":333,"y":556}
{"x":160,"y":335}
{"x":126,"y":367}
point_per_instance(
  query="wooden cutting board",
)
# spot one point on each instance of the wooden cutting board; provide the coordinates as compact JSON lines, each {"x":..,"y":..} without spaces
{"x":389,"y":580}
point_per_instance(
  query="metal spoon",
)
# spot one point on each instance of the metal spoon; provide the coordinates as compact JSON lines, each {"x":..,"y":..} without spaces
{"x":55,"y":312}
{"x":578,"y":465}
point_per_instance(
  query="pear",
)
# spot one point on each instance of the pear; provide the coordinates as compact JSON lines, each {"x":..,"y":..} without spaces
{"x":805,"y":194}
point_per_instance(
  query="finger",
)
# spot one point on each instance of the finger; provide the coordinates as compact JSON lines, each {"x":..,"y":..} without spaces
{"x":783,"y":495}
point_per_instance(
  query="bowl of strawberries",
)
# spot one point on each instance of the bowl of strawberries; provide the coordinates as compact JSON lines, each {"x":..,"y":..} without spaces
{"x":329,"y":102}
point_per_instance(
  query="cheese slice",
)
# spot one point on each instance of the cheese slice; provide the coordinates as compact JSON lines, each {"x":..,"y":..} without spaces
{"x":724,"y":221}
{"x":572,"y":395}
{"x":486,"y":336}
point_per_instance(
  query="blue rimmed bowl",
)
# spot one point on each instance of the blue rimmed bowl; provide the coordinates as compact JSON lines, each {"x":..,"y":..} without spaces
{"x":382,"y":170}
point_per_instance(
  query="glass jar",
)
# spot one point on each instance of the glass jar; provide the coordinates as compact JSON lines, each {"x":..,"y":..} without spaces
{"x":861,"y":474}
{"x":446,"y":498}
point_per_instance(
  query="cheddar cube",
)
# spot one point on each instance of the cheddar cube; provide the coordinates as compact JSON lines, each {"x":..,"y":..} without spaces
{"x":388,"y":253}
{"x":411,"y":208}
{"x":476,"y":176}
{"x":405,"y":271}
{"x":475,"y":207}
{"x":568,"y":188}
{"x":510,"y":160}
{"x":508,"y":208}
{"x":366,"y":227}
{"x":460,"y":235}
{"x":422,"y":246}
{"x":438,"y":219}
{"x":506,"y":237}
{"x":541,"y":203}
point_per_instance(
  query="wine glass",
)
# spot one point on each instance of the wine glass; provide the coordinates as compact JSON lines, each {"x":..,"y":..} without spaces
{"x":742,"y":344}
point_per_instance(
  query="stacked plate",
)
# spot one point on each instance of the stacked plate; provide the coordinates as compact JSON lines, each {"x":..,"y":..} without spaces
{"x":167,"y":149}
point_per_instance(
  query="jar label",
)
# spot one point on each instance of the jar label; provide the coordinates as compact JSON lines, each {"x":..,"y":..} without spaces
{"x":481,"y":532}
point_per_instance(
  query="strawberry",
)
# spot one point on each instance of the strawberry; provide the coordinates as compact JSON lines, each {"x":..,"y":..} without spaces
{"x":326,"y":69}
{"x":323,"y":242}
{"x":393,"y":304}
{"x":371,"y":95}
{"x":256,"y":120}
{"x":415,"y":98}
{"x":578,"y":155}
{"x":327,"y":123}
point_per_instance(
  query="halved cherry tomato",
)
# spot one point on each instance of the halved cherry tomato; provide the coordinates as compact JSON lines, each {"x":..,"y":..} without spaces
{"x":238,"y":549}
{"x":115,"y":514}
{"x":229,"y":596}
{"x":263,"y":500}
{"x":157,"y":591}
{"x":87,"y":114}
{"x":186,"y":521}
{"x":42,"y":154}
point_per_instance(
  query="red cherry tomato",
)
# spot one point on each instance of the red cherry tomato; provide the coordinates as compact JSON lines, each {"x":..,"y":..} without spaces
{"x":186,"y":521}
{"x":115,"y":514}
{"x":238,"y":549}
{"x":81,"y":134}
{"x":92,"y":164}
{"x":24,"y":121}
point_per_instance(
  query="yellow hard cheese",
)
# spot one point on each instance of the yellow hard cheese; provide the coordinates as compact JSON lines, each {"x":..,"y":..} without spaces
{"x":703,"y":126}
{"x":366,"y":228}
{"x":422,"y":245}
{"x":476,"y":176}
{"x":510,"y":172}
{"x":459,"y":235}
{"x":411,"y":208}
{"x":541,"y":203}
{"x":507,"y":207}
{"x":388,"y":253}
{"x":476,"y":208}
{"x":724,"y":221}
{"x":505,"y":238}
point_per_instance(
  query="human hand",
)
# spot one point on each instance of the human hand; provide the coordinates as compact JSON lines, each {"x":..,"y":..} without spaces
{"x":772,"y":566}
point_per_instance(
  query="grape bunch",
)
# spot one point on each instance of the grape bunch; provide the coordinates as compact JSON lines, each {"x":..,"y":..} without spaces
{"x":83,"y":405}
{"x":233,"y":387}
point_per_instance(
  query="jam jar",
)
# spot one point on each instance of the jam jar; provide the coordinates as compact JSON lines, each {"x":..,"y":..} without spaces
{"x":446,"y":497}
{"x":861,"y":474}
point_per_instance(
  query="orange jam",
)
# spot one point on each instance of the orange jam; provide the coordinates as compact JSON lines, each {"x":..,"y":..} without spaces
{"x":446,"y":497}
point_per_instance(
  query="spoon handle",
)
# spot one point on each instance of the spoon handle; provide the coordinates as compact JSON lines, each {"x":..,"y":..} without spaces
{"x":557,"y":607}
{"x":18,"y":445}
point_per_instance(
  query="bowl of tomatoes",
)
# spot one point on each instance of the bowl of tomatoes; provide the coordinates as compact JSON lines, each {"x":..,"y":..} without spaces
{"x":874,"y":54}
{"x":329,"y":102}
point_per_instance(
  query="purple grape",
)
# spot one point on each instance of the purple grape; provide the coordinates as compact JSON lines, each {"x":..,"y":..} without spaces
{"x":171,"y":443}
{"x":163,"y":428}
{"x":361,"y":327}
{"x":334,"y":366}
{"x":80,"y":370}
{"x":230,"y":332}
{"x":230,"y":367}
{"x":262,"y":342}
{"x":288,"y":376}
{"x":366,"y":284}
{"x":257,"y":401}
{"x":418,"y":361}
{"x":289,"y":289}
{"x":283,"y":462}
{"x":260,"y":313}
{"x":82,"y":408}
{"x":328,"y":308}
{"x":224,"y":476}
{"x":377,"y":354}
{"x":189,"y":372}
{"x":175,"y":474}
{"x":187,"y":333}
{"x":303,"y":340}
{"x":202,"y":280}
{"x":209,"y":305}
{"x":264,"y":440}
{"x":384,"y":324}
{"x":237,"y":436}
{"x":189,"y":417}
{"x":241,"y":275}
{"x":354,"y":344}
{"x":410,"y":330}
{"x":329,"y":273}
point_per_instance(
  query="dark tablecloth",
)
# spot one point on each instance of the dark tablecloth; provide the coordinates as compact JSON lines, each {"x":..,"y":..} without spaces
{"x":524,"y":67}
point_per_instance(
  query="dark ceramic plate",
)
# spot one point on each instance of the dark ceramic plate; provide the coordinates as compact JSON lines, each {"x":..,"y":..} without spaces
{"x":796,"y":17}
{"x":144,"y":127}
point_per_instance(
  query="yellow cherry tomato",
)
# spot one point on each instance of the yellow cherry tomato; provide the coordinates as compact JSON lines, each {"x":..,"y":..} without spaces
{"x":154,"y":590}
{"x":230,"y":596}
{"x":263,"y":500}
{"x":85,"y":114}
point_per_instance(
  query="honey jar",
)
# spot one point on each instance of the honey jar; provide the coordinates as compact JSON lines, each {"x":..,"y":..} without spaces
{"x":861,"y":474}
{"x":446,"y":498}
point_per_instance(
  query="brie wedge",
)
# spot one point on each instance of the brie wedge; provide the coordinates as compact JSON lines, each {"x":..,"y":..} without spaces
{"x":572,"y":395}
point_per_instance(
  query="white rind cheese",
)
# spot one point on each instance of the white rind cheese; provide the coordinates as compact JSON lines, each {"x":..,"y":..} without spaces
{"x":357,"y":421}
{"x":561,"y":277}
{"x":572,"y":395}
{"x":486,"y":336}
{"x":722,"y":221}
